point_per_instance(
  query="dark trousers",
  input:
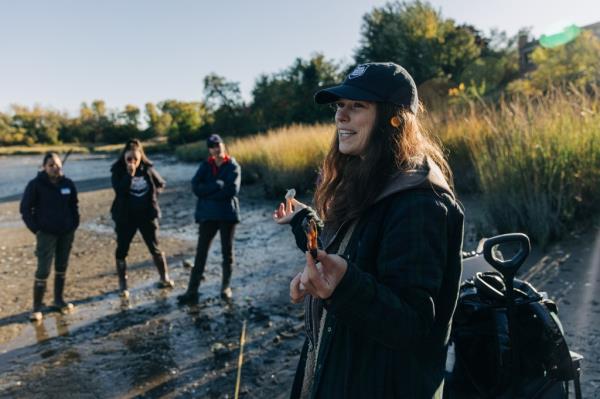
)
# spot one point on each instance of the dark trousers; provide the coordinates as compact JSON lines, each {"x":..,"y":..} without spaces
{"x":206,"y":234}
{"x":52,"y":247}
{"x":126,"y":231}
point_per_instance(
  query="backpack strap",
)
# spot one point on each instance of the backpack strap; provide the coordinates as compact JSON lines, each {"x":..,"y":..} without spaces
{"x":558,"y":356}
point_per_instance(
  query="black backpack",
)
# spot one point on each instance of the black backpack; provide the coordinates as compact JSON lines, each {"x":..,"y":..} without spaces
{"x":508,"y":346}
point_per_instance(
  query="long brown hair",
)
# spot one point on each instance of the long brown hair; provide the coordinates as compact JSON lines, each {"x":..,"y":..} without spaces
{"x":131,"y":145}
{"x":349,"y":184}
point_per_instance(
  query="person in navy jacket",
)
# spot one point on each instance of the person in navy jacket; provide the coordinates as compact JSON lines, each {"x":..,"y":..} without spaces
{"x":49,"y":208}
{"x":216,"y":184}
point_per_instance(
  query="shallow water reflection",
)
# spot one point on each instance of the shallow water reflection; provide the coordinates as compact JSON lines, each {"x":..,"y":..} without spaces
{"x":18,"y":170}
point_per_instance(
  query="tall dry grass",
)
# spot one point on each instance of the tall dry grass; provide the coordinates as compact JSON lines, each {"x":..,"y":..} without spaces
{"x":42,"y":149}
{"x":286,"y":157}
{"x":78,"y":148}
{"x":536,"y":160}
{"x":279,"y":159}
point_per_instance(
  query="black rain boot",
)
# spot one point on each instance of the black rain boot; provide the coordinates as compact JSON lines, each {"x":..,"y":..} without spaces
{"x":226,"y":292}
{"x":59,"y":287}
{"x":122,"y":273}
{"x":39,"y":289}
{"x":191,"y":295}
{"x":160,"y":261}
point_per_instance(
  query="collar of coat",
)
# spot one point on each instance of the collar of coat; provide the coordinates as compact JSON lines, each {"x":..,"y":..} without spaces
{"x":428,"y":175}
{"x":212,"y":161}
{"x":43,"y":176}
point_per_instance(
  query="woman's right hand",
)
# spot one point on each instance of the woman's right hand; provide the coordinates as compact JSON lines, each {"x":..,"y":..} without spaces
{"x":285,"y":212}
{"x":297,"y":289}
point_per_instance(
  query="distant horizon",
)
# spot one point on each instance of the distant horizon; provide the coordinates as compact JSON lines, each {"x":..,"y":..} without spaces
{"x":62,"y":54}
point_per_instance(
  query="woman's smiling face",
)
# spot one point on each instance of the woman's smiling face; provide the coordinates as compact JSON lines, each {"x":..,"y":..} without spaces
{"x":354,"y":121}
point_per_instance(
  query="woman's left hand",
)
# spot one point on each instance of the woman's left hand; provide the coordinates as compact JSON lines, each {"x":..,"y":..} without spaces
{"x":321,"y":279}
{"x":285,"y":213}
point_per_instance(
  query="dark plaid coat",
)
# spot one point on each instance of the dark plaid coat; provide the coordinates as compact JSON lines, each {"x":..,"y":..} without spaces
{"x":388,"y":321}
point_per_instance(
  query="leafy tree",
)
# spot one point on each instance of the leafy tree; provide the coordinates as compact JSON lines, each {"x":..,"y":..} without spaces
{"x":416,"y":36}
{"x":93,"y":122}
{"x":229,"y":114}
{"x":575,"y":63}
{"x":42,"y":126}
{"x":118,"y":127}
{"x":131,"y":115}
{"x":187,"y":119}
{"x":158,"y":122}
{"x":287,"y":97}
{"x":12,"y":135}
{"x":218,"y":92}
{"x":497,"y":67}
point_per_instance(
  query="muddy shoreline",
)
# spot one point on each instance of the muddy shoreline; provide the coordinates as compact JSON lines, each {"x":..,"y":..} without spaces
{"x":151,"y":347}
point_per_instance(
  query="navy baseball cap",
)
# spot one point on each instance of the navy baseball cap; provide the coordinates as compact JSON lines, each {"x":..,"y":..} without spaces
{"x":375,"y":81}
{"x":213,"y":140}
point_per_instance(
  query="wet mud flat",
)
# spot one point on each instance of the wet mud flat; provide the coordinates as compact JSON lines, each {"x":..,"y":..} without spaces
{"x":149,"y":347}
{"x":570,"y":272}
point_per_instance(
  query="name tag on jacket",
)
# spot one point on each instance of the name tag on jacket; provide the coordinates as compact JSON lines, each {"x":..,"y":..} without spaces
{"x":65,"y":191}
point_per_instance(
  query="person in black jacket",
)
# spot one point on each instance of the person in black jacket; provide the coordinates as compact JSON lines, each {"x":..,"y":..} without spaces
{"x":135,"y":207}
{"x":49,"y":208}
{"x":216,"y":184}
{"x":380,"y":295}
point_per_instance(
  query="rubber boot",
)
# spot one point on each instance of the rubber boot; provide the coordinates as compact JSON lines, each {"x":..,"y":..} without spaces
{"x":160,"y":261}
{"x":226,"y":292}
{"x":39,"y":289}
{"x":191,"y":295}
{"x":122,"y":273}
{"x":59,"y":287}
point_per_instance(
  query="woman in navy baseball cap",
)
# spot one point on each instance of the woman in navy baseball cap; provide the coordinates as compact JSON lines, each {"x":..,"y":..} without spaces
{"x":216,"y":184}
{"x":380,"y":293}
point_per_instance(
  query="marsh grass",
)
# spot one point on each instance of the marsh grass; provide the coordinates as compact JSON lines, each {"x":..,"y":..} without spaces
{"x":535,"y":161}
{"x":153,"y":146}
{"x":284,"y":158}
{"x":42,"y":149}
{"x":279,"y":159}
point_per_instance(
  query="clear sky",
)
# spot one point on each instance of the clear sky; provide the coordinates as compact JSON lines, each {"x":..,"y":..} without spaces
{"x":60,"y":53}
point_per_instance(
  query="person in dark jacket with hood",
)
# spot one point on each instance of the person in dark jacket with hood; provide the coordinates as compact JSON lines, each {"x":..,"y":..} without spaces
{"x":135,"y":207}
{"x":49,"y":208}
{"x":216,"y":184}
{"x":379,"y":297}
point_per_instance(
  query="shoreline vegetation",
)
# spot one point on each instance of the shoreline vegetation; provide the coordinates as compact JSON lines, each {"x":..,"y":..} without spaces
{"x":534,"y":160}
{"x":152,"y":146}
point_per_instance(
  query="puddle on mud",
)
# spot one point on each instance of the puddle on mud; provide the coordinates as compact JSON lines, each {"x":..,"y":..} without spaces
{"x":109,"y":348}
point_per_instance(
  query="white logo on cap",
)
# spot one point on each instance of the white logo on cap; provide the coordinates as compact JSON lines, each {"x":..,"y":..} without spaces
{"x":358,"y":71}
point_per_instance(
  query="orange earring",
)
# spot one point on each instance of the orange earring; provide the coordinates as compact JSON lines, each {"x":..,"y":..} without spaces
{"x":395,"y":121}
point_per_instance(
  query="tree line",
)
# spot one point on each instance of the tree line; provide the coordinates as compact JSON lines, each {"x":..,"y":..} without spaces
{"x":450,"y":63}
